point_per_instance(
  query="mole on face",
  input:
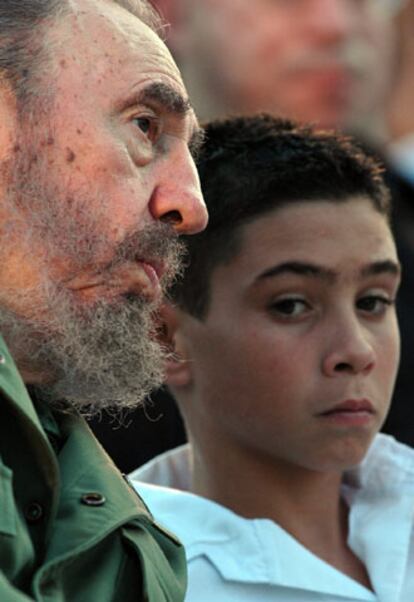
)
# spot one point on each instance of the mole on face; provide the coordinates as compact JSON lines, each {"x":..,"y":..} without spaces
{"x":70,"y":155}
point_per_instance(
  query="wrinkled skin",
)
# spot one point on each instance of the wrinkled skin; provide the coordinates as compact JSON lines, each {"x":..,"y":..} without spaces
{"x":96,"y":182}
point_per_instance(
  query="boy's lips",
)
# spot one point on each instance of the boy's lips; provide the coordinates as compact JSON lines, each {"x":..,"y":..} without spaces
{"x":351,"y":412}
{"x":351,"y":405}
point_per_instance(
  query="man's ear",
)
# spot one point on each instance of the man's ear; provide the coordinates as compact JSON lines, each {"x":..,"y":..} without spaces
{"x":178,"y":365}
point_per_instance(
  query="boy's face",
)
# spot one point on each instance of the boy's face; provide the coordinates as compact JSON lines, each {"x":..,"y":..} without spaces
{"x":297,"y":356}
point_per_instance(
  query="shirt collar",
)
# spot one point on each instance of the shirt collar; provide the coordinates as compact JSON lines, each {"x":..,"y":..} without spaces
{"x":249,"y":550}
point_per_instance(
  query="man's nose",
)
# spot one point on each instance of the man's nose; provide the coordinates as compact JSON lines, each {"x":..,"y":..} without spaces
{"x":177,"y":197}
{"x":350,"y":350}
{"x":333,"y":20}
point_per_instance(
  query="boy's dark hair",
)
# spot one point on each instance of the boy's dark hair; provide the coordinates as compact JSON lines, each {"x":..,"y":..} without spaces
{"x":251,"y":165}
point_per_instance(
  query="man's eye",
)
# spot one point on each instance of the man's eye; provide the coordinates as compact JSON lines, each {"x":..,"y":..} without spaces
{"x":143,"y":123}
{"x":148,"y":126}
{"x":290,"y":307}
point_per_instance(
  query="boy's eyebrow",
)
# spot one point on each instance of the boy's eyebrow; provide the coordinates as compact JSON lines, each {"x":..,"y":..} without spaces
{"x":382,"y":267}
{"x":312,"y":270}
{"x":301,"y":268}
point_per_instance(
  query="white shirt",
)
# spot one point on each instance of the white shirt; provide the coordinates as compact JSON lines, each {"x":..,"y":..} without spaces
{"x":234,"y":559}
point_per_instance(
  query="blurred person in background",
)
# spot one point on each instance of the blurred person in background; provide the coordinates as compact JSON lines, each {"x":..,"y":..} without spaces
{"x":401,"y":107}
{"x":323,"y":61}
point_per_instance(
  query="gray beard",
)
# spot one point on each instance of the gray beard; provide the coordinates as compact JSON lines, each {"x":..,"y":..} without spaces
{"x":106,"y":357}
{"x":96,"y":357}
{"x":99,"y":357}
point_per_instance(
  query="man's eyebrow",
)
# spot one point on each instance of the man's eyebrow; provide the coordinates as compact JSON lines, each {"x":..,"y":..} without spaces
{"x":301,"y":268}
{"x":162,"y":95}
{"x":381,"y":267}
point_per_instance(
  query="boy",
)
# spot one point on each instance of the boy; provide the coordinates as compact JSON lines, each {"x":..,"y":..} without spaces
{"x":286,"y":350}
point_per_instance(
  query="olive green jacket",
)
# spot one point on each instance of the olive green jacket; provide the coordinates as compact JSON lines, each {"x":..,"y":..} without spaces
{"x":71,"y":527}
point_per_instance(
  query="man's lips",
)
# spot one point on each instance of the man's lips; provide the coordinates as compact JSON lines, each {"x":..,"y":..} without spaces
{"x":350,"y":411}
{"x":140,"y":277}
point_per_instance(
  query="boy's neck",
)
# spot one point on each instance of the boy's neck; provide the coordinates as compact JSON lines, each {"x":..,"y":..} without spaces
{"x":307,"y":504}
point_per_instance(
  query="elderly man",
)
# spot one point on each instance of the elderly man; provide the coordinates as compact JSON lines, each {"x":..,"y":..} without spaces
{"x":96,"y":181}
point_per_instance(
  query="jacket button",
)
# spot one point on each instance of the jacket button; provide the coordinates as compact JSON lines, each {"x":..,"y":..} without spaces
{"x":93,"y":499}
{"x":2,"y":359}
{"x":34,"y":512}
{"x":48,"y":586}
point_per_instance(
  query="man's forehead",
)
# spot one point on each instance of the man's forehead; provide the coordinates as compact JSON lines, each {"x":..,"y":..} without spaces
{"x":107,"y":16}
{"x":105,"y":23}
{"x":108,"y":41}
{"x":106,"y":57}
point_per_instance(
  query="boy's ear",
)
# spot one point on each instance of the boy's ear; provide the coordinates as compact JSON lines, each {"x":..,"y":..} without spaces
{"x":178,"y":365}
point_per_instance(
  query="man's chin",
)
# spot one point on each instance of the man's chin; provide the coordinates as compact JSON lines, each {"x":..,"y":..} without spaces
{"x":104,"y":357}
{"x":90,"y":391}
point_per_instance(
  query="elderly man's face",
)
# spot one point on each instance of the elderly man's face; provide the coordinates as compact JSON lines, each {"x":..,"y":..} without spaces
{"x":95,"y":185}
{"x":327,"y":61}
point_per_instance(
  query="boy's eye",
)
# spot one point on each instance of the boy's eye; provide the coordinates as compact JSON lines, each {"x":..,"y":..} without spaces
{"x":374,"y":304}
{"x":290,"y":307}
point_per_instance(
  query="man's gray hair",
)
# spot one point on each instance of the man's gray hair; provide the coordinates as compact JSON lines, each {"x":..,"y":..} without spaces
{"x":22,"y":47}
{"x":144,"y":10}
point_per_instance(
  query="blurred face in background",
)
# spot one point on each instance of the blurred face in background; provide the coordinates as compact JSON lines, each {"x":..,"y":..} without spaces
{"x":324,"y":61}
{"x":401,"y":115}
